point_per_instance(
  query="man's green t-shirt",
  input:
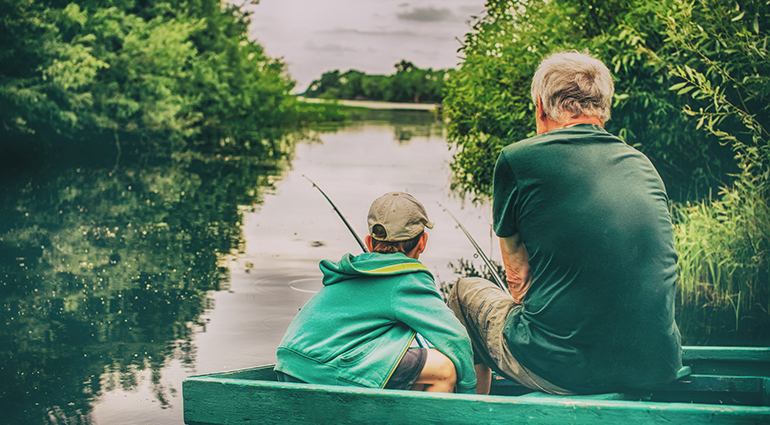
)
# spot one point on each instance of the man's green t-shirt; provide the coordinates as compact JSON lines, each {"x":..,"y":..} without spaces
{"x":593,"y":215}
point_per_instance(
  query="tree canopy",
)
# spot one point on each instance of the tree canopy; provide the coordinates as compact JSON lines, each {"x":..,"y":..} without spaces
{"x":408,"y":84}
{"x":643,"y":43}
{"x":140,"y":66}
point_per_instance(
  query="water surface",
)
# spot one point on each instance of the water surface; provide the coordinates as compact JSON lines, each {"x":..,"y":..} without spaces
{"x":122,"y":274}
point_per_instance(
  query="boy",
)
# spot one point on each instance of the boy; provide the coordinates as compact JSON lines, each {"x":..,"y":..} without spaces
{"x":358,"y":328}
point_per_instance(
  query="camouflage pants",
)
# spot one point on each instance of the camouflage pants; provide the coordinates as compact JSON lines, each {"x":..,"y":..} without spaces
{"x":482,"y":308}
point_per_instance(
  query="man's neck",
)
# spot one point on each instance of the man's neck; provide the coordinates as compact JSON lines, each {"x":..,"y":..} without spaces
{"x":547,"y":124}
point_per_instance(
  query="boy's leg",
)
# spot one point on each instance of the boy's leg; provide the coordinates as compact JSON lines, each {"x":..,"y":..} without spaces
{"x":438,"y":374}
{"x":483,"y":378}
{"x":423,"y":369}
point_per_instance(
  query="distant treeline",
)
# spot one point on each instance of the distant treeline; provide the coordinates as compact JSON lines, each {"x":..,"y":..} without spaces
{"x":146,"y":67}
{"x":408,"y":84}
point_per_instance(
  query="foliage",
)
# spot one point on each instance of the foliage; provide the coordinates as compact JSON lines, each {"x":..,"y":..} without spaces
{"x":728,"y":71}
{"x":725,"y":244}
{"x":408,"y":84}
{"x":724,"y":248}
{"x":147,"y":67}
{"x":488,"y":99}
{"x":692,"y":92}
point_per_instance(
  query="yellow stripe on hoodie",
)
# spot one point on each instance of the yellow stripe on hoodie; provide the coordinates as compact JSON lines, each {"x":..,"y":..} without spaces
{"x":397,"y":268}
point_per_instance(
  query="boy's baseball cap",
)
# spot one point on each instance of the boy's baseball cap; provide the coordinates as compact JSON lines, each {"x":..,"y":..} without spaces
{"x":402,"y":216}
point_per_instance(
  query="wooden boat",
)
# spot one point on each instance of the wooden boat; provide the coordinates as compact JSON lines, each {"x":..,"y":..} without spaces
{"x":718,"y":385}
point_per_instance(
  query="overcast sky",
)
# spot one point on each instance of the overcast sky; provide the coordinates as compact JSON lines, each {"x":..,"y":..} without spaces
{"x":316,"y":36}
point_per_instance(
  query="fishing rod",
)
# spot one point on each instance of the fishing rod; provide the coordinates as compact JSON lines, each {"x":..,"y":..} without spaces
{"x":498,"y":281}
{"x":360,"y":242}
{"x":420,"y":339}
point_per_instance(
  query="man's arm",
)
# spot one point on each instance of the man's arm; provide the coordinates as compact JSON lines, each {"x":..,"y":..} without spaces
{"x":516,"y":262}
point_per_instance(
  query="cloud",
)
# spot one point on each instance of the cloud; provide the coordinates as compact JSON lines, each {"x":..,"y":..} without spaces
{"x":374,"y":33}
{"x":471,"y":13}
{"x":329,"y":47}
{"x":426,"y":14}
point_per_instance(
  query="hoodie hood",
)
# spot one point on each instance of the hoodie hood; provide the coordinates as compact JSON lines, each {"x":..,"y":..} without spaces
{"x":369,"y":264}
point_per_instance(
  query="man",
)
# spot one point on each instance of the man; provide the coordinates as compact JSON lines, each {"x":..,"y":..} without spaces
{"x":357,"y":330}
{"x":587,"y":244}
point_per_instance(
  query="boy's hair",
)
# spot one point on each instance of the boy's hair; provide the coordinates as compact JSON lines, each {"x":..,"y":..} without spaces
{"x":378,"y":231}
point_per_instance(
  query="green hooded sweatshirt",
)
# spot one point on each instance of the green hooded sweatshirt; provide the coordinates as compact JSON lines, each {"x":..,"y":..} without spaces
{"x":356,"y":329}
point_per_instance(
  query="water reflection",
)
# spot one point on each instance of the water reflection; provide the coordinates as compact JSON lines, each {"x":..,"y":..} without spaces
{"x":105,"y":272}
{"x":125,"y":270}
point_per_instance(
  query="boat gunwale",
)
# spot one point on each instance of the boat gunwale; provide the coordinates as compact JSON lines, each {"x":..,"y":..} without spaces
{"x":253,"y":394}
{"x":543,"y":399}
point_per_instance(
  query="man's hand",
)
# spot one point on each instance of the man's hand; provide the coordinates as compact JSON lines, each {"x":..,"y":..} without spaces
{"x":516,"y":262}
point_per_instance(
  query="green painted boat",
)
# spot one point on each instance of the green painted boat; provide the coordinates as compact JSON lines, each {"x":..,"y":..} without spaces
{"x":718,"y":385}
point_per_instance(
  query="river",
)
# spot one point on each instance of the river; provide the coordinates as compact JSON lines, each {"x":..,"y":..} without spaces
{"x":126,"y":267}
{"x":123,"y":275}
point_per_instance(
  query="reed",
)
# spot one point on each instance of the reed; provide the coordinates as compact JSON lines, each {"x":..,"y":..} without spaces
{"x":724,"y":250}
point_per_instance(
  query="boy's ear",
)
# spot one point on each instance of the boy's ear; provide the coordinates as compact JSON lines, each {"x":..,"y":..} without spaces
{"x":423,"y":242}
{"x":368,"y":241}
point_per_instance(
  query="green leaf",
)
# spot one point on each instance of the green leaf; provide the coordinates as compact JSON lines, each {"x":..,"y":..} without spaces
{"x":677,"y":86}
{"x":739,"y":17}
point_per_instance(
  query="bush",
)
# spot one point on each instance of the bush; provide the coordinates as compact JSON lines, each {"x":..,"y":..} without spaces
{"x":489,"y":106}
{"x":158,"y":68}
{"x":408,"y":84}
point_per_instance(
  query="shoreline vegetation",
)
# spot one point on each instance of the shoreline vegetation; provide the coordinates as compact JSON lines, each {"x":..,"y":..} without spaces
{"x":374,"y":104}
{"x":693,"y":93}
{"x":409,"y":84}
{"x":186,"y":73}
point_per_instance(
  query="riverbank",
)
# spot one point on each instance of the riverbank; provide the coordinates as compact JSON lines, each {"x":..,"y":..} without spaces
{"x":368,"y":104}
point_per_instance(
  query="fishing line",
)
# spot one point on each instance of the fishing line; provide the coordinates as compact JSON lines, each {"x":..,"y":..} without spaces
{"x":420,"y":339}
{"x":497,"y":280}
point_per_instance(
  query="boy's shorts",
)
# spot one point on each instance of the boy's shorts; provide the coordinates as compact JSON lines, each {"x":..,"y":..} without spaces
{"x":408,"y":369}
{"x":403,"y":378}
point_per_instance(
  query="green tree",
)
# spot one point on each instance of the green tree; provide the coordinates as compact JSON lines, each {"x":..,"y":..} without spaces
{"x":352,"y":84}
{"x":48,"y":68}
{"x":725,"y":242}
{"x":488,"y":99}
{"x":329,"y":81}
{"x":149,"y":67}
{"x":408,"y":84}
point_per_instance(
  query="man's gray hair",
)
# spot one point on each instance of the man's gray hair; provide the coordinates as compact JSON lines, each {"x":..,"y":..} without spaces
{"x":573,"y":84}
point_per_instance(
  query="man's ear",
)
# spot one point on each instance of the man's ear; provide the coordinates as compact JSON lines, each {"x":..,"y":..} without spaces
{"x":539,"y":110}
{"x":540,"y":116}
{"x":368,"y":241}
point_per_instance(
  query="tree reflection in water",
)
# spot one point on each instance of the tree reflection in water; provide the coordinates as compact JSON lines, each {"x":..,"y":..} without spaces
{"x":105,"y":270}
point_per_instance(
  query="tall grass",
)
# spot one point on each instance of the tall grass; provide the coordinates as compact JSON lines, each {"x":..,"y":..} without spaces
{"x":724,"y":249}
